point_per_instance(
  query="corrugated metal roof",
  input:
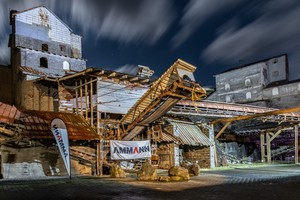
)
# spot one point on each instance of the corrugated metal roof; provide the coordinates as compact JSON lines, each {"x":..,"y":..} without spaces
{"x":166,"y":137}
{"x":190,"y":133}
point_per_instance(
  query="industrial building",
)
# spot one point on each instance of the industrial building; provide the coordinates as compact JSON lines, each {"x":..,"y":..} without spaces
{"x":50,"y":79}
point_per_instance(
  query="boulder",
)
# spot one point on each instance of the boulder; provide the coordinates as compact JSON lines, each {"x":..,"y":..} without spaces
{"x":180,"y":172}
{"x":194,"y":169}
{"x":164,"y":178}
{"x":147,"y":173}
{"x":117,"y":172}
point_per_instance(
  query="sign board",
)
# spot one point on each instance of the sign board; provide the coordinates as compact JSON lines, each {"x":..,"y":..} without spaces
{"x":60,"y":133}
{"x":129,"y":150}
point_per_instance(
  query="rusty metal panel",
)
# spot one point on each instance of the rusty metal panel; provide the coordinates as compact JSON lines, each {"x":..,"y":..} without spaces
{"x":37,"y":125}
{"x":190,"y":134}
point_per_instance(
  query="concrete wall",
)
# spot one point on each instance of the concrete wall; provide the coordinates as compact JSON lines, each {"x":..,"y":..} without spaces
{"x":32,"y":96}
{"x":233,"y":86}
{"x":251,"y":84}
{"x":40,"y":24}
{"x":283,"y":96}
{"x":31,"y":58}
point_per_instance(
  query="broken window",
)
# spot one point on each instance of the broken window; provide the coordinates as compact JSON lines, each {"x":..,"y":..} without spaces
{"x":44,"y":62}
{"x":248,"y":82}
{"x":248,"y":95}
{"x":275,"y":91}
{"x":66,"y":66}
{"x":227,"y":87}
{"x":62,"y":48}
{"x":228,"y":99}
{"x":44,"y":47}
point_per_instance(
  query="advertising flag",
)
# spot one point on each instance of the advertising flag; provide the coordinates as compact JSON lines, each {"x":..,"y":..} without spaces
{"x":128,"y":150}
{"x":60,"y":133}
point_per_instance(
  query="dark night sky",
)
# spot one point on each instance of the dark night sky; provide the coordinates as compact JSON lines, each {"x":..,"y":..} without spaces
{"x":213,"y":35}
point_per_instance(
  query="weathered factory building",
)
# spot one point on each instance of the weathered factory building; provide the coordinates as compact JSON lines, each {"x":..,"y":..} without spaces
{"x":264,"y":83}
{"x":41,"y":45}
{"x":49,"y":74}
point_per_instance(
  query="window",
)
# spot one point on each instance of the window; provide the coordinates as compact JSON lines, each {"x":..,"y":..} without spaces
{"x":228,"y":99}
{"x":44,"y":47}
{"x":66,"y":66}
{"x":227,"y":87}
{"x":62,"y":48}
{"x":248,"y":82}
{"x":275,"y":91}
{"x":248,"y":95}
{"x":44,"y":62}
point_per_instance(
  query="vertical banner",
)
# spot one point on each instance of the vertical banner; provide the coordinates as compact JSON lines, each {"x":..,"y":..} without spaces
{"x":60,"y":133}
{"x":128,"y":150}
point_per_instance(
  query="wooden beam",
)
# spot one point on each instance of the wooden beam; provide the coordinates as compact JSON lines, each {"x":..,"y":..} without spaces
{"x":123,"y":77}
{"x":269,"y":160}
{"x":112,"y":74}
{"x":134,"y":79}
{"x":81,"y":110}
{"x":76,"y":95}
{"x":86,"y":99}
{"x":247,"y":117}
{"x":296,"y":145}
{"x":91,"y":102}
{"x":222,"y":130}
{"x":275,"y":135}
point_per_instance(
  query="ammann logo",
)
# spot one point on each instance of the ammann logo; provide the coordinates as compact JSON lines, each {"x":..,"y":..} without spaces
{"x":60,"y":140}
{"x":132,"y":150}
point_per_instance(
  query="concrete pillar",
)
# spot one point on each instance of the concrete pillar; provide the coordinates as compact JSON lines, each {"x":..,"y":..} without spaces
{"x":212,"y":147}
{"x":262,"y":147}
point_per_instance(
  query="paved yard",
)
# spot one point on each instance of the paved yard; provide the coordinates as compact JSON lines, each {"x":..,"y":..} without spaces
{"x":271,"y":182}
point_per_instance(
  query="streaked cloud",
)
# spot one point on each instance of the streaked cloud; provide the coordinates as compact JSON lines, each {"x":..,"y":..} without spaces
{"x":198,"y":12}
{"x":275,"y":31}
{"x":127,"y":69}
{"x":125,"y":21}
{"x":134,"y":21}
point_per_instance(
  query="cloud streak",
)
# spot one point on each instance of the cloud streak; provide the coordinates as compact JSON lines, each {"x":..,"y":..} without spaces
{"x":274,"y":32}
{"x":135,"y":21}
{"x":196,"y":13}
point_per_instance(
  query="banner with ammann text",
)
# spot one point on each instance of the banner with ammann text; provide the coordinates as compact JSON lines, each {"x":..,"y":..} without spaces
{"x":129,"y":150}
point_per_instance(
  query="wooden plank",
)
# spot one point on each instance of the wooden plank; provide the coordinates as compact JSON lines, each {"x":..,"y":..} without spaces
{"x":269,"y":160}
{"x":91,"y":102}
{"x":86,"y":99}
{"x":76,"y":95}
{"x":81,"y":110}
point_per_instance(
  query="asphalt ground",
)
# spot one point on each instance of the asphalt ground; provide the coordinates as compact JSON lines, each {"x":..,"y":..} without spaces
{"x":267,"y":182}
